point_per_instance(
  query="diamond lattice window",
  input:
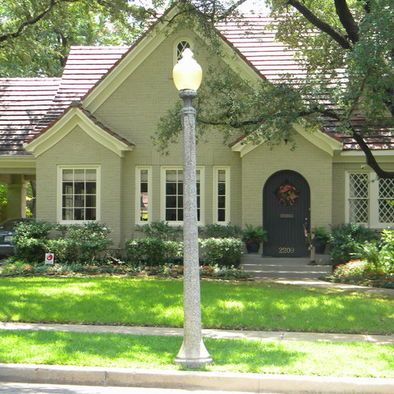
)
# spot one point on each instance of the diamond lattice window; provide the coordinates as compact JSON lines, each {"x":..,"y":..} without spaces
{"x":386,"y":200}
{"x":358,"y":198}
{"x":181,"y":46}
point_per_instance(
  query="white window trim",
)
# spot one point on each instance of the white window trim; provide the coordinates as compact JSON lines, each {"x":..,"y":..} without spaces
{"x":163,"y":195}
{"x":175,"y":48}
{"x":60,"y":169}
{"x":137,"y":194}
{"x":373,"y":200}
{"x":227,"y":214}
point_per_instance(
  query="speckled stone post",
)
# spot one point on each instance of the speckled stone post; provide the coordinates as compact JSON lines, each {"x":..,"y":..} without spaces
{"x":193,"y":353}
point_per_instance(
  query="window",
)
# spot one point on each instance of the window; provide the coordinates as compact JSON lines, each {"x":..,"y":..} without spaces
{"x":221,"y":189}
{"x":370,"y":200}
{"x":180,"y":47}
{"x":143,"y":195}
{"x":78,"y":194}
{"x":358,"y":198}
{"x":172,"y":203}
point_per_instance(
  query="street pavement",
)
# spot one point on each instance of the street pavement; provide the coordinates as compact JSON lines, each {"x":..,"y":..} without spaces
{"x":29,"y":388}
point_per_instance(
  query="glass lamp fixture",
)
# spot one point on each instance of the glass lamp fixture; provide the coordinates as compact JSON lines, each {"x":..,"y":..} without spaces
{"x":187,"y":73}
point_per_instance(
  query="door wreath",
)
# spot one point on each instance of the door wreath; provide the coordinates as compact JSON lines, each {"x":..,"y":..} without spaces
{"x":287,"y":194}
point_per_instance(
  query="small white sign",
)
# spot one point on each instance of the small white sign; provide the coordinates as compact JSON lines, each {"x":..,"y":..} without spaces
{"x":49,"y":258}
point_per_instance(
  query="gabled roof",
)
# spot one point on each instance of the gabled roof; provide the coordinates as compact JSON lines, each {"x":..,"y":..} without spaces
{"x":89,"y":68}
{"x":74,"y":116}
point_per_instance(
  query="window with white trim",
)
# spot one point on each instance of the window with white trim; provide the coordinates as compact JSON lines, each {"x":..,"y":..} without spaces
{"x":358,"y":198}
{"x":370,"y":200}
{"x":78,"y":194}
{"x":172,"y":203}
{"x":143,"y":189}
{"x":180,"y":47}
{"x":221,"y":179}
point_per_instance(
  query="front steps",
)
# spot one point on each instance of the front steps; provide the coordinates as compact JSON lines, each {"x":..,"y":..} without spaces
{"x":282,"y":267}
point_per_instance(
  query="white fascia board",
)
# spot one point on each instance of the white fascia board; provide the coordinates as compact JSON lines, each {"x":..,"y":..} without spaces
{"x":17,"y":161}
{"x":75,"y":117}
{"x":137,"y":55}
{"x":317,"y":138}
{"x":320,"y":139}
{"x":381,"y":153}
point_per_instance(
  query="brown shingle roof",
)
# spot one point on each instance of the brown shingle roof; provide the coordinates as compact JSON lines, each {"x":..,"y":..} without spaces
{"x":31,"y":105}
{"x":23,"y":103}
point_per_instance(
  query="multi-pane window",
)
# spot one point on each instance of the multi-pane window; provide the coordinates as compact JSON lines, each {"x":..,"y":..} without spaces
{"x":78,"y":194}
{"x":386,"y":201}
{"x":173,"y":203}
{"x":222,"y":195}
{"x":143,"y":195}
{"x":358,"y":198}
{"x":181,"y":46}
{"x":370,"y":200}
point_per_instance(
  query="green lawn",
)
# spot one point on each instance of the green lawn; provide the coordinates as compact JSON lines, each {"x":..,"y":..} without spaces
{"x":117,"y":350}
{"x":248,"y":305}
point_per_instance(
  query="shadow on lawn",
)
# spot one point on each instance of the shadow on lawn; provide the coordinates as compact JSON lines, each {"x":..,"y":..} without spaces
{"x":101,"y":300}
{"x":132,"y":351}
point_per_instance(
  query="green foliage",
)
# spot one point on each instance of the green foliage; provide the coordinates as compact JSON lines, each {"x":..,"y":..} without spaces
{"x":85,"y":243}
{"x":153,"y":251}
{"x":40,"y":48}
{"x":347,"y":239}
{"x":254,"y":234}
{"x":380,"y":254}
{"x":224,"y":252}
{"x":30,"y":239}
{"x":220,"y":231}
{"x":321,"y":234}
{"x":161,"y":230}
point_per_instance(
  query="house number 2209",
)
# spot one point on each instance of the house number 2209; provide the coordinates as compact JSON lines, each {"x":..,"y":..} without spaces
{"x":285,"y":250}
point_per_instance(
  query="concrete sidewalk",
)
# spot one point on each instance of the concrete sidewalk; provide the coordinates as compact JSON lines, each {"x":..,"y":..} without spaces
{"x":245,"y":382}
{"x":209,"y":333}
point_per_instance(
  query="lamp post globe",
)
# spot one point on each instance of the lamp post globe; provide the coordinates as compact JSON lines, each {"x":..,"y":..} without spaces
{"x":187,"y":74}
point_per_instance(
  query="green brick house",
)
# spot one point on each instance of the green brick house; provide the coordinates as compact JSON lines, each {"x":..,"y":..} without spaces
{"x":84,"y":140}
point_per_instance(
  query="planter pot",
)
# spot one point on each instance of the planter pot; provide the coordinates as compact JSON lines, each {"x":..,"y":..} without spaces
{"x":252,"y":247}
{"x":320,"y":246}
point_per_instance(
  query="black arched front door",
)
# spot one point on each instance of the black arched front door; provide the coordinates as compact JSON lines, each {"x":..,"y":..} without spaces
{"x":286,"y":214}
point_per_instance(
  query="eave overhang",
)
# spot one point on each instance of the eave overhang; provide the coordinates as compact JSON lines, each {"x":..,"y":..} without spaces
{"x":73,"y":117}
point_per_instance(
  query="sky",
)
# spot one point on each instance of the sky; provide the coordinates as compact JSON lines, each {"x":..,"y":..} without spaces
{"x":249,"y":5}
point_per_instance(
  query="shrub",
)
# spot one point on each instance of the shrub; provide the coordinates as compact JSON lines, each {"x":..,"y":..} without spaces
{"x":220,"y":231}
{"x":224,"y":252}
{"x":84,"y":243}
{"x":153,"y":251}
{"x":380,"y":255}
{"x":347,"y":239}
{"x":161,"y":230}
{"x":88,"y":242}
{"x":30,"y":240}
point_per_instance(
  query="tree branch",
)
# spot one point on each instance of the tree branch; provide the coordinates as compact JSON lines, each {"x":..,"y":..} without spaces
{"x":347,"y":20}
{"x":320,"y":24}
{"x":33,"y":20}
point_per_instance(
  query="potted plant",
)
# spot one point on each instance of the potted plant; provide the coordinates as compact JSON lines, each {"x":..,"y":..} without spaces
{"x":253,"y":236}
{"x":320,"y":239}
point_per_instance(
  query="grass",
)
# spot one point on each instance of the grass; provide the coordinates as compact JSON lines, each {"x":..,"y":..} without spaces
{"x":136,"y":301}
{"x":117,"y":350}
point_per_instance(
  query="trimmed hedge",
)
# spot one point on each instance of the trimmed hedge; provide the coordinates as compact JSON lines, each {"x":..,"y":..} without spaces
{"x":224,"y":252}
{"x":86,"y":243}
{"x":152,"y":251}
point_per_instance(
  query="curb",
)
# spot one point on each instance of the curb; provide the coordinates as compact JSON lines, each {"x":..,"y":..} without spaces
{"x":248,"y":382}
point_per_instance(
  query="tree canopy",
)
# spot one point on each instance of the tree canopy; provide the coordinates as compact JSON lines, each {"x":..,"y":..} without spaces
{"x":347,"y":49}
{"x":36,"y":35}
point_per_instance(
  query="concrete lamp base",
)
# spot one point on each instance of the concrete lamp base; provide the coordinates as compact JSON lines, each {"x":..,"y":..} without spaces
{"x":195,"y":360}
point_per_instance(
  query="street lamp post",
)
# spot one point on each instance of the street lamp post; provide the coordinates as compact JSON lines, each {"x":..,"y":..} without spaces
{"x":187,"y":76}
